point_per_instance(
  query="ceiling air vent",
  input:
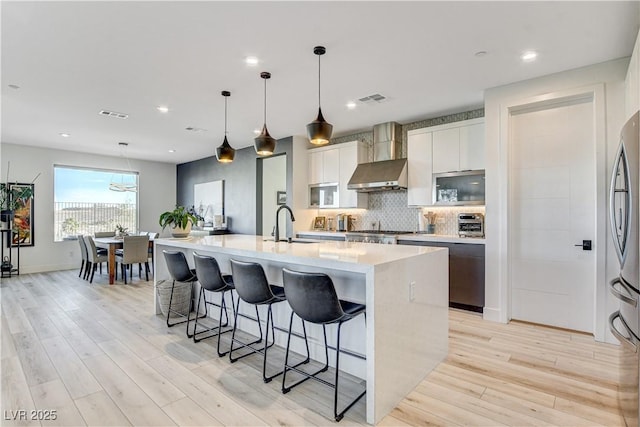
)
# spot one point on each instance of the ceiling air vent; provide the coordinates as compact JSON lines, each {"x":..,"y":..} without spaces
{"x":194,"y":129}
{"x":376,"y":97}
{"x":113,"y":114}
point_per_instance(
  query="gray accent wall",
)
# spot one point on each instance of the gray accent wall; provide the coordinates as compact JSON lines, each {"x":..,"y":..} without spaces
{"x":241,"y":184}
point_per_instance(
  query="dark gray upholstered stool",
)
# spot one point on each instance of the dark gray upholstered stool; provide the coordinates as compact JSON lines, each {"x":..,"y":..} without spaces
{"x":212,"y":280}
{"x":313,"y":298}
{"x":253,"y":288}
{"x":179,"y":271}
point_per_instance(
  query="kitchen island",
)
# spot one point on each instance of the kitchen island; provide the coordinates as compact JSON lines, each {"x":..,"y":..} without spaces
{"x":405,"y":289}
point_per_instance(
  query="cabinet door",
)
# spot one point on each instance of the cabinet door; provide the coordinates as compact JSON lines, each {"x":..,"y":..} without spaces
{"x":331,"y":165}
{"x":315,"y":167}
{"x":446,"y":150}
{"x":472,"y":147}
{"x":419,"y":169}
{"x":348,"y":163}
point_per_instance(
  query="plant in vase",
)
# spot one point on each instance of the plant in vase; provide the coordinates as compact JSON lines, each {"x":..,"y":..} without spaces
{"x":180,"y":221}
{"x":121,"y":231}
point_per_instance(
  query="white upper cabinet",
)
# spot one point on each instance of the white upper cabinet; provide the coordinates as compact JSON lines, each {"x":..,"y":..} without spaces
{"x":324,"y":165}
{"x":419,"y":164}
{"x":472,"y":147}
{"x":458,"y":146}
{"x":336,"y":164}
{"x":446,"y":150}
{"x":451,"y":147}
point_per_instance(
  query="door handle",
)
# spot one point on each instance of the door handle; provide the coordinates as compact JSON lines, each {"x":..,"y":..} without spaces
{"x":586,"y":245}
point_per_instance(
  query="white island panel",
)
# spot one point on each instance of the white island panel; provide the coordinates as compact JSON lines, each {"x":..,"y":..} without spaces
{"x":405,"y":289}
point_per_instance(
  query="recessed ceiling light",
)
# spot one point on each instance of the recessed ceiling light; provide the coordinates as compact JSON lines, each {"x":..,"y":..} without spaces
{"x":251,"y":60}
{"x":65,"y":135}
{"x":256,"y":131}
{"x":14,"y":86}
{"x":351,"y":105}
{"x":480,"y":53}
{"x":172,"y":151}
{"x":529,"y":56}
{"x":162,"y":108}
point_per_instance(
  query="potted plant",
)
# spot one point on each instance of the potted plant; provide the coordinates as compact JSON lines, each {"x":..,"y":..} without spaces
{"x":179,"y":219}
{"x":121,"y":230}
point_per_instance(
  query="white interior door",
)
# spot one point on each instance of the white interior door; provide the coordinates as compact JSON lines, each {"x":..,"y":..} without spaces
{"x":552,"y":209}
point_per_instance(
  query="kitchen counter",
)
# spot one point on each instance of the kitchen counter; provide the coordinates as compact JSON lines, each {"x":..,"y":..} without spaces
{"x":405,"y":289}
{"x":418,"y":237}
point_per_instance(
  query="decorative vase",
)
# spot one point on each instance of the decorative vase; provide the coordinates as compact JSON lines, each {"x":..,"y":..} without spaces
{"x":181,"y":232}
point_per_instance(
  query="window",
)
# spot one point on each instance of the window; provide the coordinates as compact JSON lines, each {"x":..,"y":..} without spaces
{"x":90,"y":200}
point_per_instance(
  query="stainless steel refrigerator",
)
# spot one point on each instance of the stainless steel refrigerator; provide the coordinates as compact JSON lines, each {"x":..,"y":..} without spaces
{"x":624,"y":323}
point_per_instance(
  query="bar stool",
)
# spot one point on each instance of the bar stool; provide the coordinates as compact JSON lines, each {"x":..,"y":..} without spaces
{"x":212,"y":280}
{"x":312,"y":296}
{"x":179,"y":271}
{"x":252,"y":287}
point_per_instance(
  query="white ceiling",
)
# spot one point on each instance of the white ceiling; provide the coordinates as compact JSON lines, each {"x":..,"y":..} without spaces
{"x":73,"y":59}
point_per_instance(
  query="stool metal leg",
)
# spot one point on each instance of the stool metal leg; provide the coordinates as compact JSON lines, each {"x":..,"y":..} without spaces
{"x":339,"y":416}
{"x":252,"y":349}
{"x":286,"y":389}
{"x":218,"y":329}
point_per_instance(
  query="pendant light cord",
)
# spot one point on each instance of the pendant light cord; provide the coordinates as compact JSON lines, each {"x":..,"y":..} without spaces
{"x":225,"y":115}
{"x":265,"y":102}
{"x":319,"y":81}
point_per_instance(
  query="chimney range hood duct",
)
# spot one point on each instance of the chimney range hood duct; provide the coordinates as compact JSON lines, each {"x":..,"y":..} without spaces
{"x":388,"y":171}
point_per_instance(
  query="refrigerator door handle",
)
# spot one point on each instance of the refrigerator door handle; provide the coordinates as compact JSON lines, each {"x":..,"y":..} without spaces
{"x":630,"y":341}
{"x":620,"y":228}
{"x":618,"y":294}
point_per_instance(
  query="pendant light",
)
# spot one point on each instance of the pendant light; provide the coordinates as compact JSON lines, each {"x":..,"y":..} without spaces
{"x":264,"y":143}
{"x":319,"y":131}
{"x":225,"y":152}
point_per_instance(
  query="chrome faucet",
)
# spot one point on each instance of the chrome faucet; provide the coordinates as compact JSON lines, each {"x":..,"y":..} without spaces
{"x":276,"y":236}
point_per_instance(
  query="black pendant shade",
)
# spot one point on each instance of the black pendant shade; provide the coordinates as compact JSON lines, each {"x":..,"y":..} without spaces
{"x":264,"y":143}
{"x":319,"y":131}
{"x":225,"y":152}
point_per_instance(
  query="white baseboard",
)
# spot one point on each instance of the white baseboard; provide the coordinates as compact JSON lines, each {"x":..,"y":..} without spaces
{"x":492,"y":314}
{"x":46,"y":268}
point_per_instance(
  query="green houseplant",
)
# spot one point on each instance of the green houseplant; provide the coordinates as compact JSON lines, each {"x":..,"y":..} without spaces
{"x":179,"y":219}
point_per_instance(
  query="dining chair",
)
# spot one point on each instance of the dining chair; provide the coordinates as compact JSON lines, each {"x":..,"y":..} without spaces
{"x":135,"y":250}
{"x":94,"y":258}
{"x":84,"y":256}
{"x":104,"y":234}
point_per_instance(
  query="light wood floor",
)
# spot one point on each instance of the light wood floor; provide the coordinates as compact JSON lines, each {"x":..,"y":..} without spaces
{"x":95,"y":355}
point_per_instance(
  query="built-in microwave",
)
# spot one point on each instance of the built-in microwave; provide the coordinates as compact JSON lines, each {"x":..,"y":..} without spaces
{"x":459,"y":188}
{"x":324,"y":195}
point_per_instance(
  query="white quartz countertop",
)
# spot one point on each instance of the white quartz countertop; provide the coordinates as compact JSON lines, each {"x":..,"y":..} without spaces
{"x":416,"y":237}
{"x":336,"y":254}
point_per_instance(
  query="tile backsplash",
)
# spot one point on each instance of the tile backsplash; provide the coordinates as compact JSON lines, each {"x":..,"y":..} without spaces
{"x":390,"y":209}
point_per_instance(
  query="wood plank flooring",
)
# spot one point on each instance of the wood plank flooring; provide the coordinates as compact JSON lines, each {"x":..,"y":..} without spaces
{"x":96,"y":355}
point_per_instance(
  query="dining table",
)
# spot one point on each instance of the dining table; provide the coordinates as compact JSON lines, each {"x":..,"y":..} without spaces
{"x":111,"y":244}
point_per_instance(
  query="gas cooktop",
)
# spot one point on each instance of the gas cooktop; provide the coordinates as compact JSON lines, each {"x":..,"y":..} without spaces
{"x":380,"y":231}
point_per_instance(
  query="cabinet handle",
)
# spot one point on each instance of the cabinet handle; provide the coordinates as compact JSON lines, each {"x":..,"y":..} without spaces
{"x":623,"y":339}
{"x":622,"y":297}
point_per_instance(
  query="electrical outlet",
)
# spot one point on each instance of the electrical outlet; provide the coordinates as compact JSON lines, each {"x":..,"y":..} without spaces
{"x":412,"y":291}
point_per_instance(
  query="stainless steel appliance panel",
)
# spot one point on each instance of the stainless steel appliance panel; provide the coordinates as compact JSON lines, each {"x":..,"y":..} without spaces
{"x":629,"y":369}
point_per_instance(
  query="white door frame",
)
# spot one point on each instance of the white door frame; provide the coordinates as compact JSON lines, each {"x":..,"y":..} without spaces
{"x":596,"y":93}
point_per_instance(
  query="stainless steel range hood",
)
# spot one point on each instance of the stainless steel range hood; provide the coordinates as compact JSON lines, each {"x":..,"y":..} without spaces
{"x":388,"y":171}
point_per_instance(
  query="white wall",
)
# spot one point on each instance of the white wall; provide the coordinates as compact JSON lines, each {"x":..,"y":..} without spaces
{"x":632,"y":82}
{"x":497,"y":100}
{"x":157,"y":193}
{"x":274,"y":179}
